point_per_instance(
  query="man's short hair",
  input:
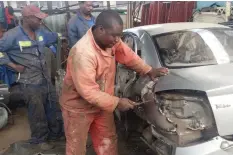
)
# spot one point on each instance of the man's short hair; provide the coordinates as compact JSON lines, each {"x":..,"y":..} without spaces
{"x":107,"y":17}
{"x":10,"y":10}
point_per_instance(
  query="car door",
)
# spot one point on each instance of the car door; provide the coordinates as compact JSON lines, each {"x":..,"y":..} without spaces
{"x":124,"y":76}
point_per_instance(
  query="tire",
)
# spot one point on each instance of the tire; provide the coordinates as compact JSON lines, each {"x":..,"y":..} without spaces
{"x":3,"y":117}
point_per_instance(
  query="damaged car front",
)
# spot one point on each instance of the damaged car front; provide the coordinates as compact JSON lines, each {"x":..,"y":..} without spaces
{"x":189,"y":111}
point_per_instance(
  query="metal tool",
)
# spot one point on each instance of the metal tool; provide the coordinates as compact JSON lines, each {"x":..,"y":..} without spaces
{"x":140,"y":103}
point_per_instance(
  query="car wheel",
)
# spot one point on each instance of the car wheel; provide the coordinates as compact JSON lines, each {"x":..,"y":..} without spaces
{"x":3,"y":117}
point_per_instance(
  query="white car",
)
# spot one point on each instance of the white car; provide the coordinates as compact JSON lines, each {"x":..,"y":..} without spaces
{"x":189,"y":111}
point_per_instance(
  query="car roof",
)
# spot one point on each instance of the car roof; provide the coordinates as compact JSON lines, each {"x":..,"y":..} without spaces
{"x":172,"y":27}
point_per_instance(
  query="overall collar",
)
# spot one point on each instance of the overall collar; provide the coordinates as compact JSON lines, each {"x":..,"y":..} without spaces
{"x":80,"y":16}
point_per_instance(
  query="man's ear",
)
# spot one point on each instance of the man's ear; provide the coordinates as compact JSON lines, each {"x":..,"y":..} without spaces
{"x":101,"y":29}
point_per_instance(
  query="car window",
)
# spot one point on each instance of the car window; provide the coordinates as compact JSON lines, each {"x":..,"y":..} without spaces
{"x":196,"y":47}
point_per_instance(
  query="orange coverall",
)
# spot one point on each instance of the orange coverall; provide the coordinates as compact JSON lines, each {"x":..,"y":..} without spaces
{"x":87,"y":96}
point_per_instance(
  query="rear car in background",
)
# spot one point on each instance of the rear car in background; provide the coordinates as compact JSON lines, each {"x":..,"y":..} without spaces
{"x":189,"y":111}
{"x":229,"y":24}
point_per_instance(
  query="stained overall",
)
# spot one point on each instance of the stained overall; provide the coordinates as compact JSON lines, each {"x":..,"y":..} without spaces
{"x":34,"y":83}
{"x":87,"y":96}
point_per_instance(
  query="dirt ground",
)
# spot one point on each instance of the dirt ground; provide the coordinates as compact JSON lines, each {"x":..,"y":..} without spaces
{"x":13,"y":137}
{"x":16,"y":130}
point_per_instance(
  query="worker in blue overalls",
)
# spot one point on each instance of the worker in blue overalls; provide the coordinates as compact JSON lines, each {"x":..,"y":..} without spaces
{"x":22,"y":49}
{"x":80,"y":23}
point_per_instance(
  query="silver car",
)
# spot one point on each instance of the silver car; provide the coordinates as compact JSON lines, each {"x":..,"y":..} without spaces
{"x":189,"y":111}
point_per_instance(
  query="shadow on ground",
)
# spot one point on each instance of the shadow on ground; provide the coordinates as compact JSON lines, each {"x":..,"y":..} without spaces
{"x":133,"y":146}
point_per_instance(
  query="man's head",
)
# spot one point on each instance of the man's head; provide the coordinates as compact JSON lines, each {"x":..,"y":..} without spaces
{"x":108,"y":28}
{"x":86,"y":7}
{"x":32,"y":16}
{"x":10,"y":10}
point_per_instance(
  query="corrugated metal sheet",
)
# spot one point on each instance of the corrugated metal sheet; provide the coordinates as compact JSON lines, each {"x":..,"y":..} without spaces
{"x":164,"y":12}
{"x":58,"y":23}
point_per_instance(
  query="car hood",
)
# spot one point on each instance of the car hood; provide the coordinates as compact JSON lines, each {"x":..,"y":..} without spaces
{"x":213,"y":79}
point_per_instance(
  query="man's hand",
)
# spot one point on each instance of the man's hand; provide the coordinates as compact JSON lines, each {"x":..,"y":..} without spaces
{"x":157,"y":72}
{"x":18,"y":68}
{"x":125,"y":104}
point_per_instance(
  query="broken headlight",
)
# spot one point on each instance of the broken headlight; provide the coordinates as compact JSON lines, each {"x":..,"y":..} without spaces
{"x":182,"y":118}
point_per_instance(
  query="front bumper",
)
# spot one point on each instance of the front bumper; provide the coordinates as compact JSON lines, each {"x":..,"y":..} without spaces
{"x":216,"y":146}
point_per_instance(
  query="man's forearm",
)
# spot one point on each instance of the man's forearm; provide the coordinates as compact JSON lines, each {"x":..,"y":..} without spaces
{"x":126,"y":56}
{"x":139,"y":66}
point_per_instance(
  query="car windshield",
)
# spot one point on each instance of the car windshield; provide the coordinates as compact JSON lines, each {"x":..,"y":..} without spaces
{"x":196,"y":47}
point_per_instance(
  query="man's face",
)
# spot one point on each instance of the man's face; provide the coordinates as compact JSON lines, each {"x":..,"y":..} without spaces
{"x":34,"y":22}
{"x":87,"y":7}
{"x":110,"y":36}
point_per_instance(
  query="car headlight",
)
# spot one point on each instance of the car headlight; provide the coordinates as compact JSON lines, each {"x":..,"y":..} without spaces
{"x":181,"y":117}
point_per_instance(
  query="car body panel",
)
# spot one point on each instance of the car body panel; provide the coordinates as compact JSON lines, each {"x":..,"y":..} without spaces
{"x":209,"y":79}
{"x":204,"y":148}
{"x":222,"y":108}
{"x":202,"y":78}
{"x":159,"y":29}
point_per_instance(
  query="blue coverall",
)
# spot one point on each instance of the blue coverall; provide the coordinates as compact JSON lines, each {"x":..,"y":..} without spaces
{"x":40,"y":96}
{"x":77,"y":28}
{"x":7,"y":75}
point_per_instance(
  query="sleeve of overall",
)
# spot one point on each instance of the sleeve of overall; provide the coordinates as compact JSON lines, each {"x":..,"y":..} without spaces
{"x":6,"y":43}
{"x":128,"y":57}
{"x":83,"y":72}
{"x":72,"y":34}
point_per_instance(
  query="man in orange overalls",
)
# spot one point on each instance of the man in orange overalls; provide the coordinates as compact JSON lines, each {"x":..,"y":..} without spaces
{"x":87,"y":97}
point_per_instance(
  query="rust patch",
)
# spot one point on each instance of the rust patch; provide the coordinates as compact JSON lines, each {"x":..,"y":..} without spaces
{"x":74,"y":63}
{"x":101,"y":84}
{"x":104,"y":146}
